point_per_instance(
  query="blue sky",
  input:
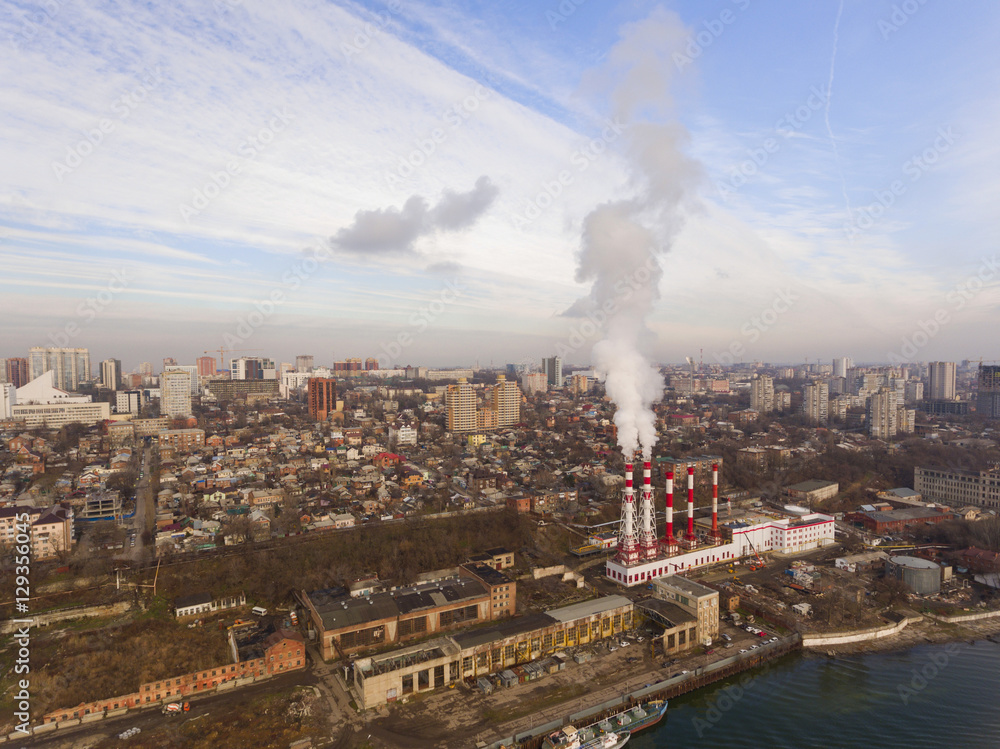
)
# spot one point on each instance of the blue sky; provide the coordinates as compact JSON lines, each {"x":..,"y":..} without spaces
{"x":847,"y":193}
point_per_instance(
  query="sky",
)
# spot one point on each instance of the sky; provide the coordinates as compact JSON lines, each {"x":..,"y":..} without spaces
{"x":411,"y":180}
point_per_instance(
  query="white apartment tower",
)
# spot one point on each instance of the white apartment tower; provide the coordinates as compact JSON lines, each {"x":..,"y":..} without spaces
{"x":882,"y":414}
{"x":762,"y":394}
{"x":70,"y":365}
{"x":175,"y":393}
{"x":111,"y":373}
{"x":506,"y":402}
{"x":942,"y":380}
{"x":816,"y":402}
{"x":461,"y":402}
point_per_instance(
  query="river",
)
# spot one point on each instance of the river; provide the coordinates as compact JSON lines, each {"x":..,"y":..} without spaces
{"x":928,"y":697}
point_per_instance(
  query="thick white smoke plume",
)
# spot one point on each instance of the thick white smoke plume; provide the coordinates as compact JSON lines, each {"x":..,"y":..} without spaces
{"x":622,"y":239}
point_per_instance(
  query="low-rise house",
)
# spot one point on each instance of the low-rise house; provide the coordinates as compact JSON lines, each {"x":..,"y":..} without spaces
{"x":205,"y":603}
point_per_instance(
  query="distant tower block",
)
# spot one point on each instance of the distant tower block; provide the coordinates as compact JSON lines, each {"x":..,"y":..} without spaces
{"x":690,"y":537}
{"x":628,"y":543}
{"x":669,"y":539}
{"x":647,"y":524}
{"x":715,"y":502}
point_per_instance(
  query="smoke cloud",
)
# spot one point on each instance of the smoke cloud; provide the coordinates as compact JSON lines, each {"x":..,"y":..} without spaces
{"x":621,"y":240}
{"x":394,"y":230}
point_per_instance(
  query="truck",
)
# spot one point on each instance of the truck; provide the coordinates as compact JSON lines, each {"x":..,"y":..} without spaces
{"x":176,"y":708}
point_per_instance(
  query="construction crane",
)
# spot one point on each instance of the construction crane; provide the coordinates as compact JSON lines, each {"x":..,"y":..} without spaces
{"x":760,"y":562}
{"x":222,"y":353}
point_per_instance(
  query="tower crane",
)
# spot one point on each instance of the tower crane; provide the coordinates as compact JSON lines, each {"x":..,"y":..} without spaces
{"x":222,"y":353}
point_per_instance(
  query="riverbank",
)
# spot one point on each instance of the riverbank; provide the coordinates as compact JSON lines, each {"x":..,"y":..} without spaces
{"x":464,"y":716}
{"x":925,"y":631}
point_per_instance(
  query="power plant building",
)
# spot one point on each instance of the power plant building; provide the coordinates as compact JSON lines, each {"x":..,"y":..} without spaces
{"x":638,"y":562}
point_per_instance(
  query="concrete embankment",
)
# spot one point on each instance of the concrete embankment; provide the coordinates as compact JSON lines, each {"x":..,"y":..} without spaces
{"x":614,"y":701}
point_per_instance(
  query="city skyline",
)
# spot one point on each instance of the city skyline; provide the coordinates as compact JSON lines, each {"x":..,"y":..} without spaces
{"x":120,"y":120}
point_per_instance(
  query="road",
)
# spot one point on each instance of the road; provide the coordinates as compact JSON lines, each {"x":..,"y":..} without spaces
{"x":145,"y":512}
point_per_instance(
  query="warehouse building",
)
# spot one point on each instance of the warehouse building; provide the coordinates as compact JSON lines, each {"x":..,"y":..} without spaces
{"x":347,"y":625}
{"x":507,"y":643}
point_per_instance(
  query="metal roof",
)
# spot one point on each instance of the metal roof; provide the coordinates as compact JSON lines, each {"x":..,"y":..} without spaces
{"x":589,"y":608}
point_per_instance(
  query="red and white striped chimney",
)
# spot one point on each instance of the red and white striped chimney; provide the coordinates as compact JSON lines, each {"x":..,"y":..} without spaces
{"x":690,"y":533}
{"x":715,"y":500}
{"x":669,"y":534}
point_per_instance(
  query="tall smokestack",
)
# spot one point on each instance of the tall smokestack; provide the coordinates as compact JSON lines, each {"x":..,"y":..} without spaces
{"x":628,"y":547}
{"x":715,"y":500}
{"x":647,"y":525}
{"x":690,"y":533}
{"x":668,"y":537}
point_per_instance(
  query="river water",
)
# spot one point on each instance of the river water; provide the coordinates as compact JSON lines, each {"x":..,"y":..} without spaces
{"x":928,"y":697}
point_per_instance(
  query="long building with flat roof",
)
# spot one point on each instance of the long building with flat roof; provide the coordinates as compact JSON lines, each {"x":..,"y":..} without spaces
{"x":504,"y":644}
{"x":348,"y":625}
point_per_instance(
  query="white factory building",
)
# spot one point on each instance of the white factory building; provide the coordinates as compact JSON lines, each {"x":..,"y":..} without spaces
{"x":757,"y":533}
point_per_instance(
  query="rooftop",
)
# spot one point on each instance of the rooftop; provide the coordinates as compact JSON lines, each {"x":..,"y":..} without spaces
{"x":690,"y":587}
{"x":338,"y":613}
{"x":588,"y":608}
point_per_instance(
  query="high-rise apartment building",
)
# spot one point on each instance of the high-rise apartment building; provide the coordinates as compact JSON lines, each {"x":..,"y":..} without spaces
{"x":942,"y":380}
{"x":8,"y":399}
{"x":371,"y":364}
{"x":303,"y":363}
{"x":70,"y":365}
{"x":252,"y":368}
{"x":16,"y":369}
{"x":506,"y":401}
{"x":988,"y":391}
{"x":322,"y":397}
{"x":552,"y":367}
{"x":175,"y":393}
{"x":192,"y":370}
{"x":111,"y":373}
{"x":762,"y":394}
{"x":841,"y":365}
{"x":206,"y":366}
{"x":881,"y":414}
{"x":534,"y":382}
{"x":816,"y":402}
{"x":914,"y":391}
{"x":128,"y":401}
{"x":461,"y":402}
